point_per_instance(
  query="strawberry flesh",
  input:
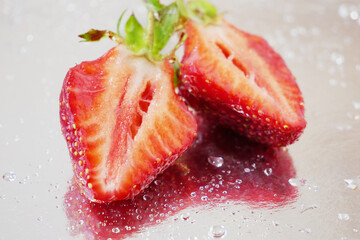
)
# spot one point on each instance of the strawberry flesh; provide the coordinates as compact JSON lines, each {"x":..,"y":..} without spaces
{"x":123,"y":123}
{"x":242,"y":82}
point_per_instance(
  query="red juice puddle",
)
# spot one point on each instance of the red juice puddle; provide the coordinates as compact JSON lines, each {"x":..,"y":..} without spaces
{"x":220,"y":167}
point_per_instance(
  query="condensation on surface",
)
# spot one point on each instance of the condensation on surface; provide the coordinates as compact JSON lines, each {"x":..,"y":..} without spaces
{"x":319,"y":40}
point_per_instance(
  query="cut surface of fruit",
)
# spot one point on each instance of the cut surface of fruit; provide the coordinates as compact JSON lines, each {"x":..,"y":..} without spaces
{"x":123,"y":123}
{"x":243,"y":82}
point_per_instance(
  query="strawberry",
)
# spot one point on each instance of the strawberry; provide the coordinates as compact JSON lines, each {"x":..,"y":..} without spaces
{"x":237,"y":78}
{"x":121,"y":118}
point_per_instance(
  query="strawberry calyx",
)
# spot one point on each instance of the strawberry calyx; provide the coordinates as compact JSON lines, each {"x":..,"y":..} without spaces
{"x":199,"y":10}
{"x":163,"y":22}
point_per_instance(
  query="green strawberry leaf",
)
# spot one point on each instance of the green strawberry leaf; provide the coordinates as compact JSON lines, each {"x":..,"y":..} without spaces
{"x":119,"y":21}
{"x":182,"y":8}
{"x":163,"y":29}
{"x":154,"y":5}
{"x":203,"y":10}
{"x":134,"y":37}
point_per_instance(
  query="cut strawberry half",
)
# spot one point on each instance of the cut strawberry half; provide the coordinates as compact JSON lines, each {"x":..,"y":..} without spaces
{"x":238,"y":78}
{"x":123,"y":123}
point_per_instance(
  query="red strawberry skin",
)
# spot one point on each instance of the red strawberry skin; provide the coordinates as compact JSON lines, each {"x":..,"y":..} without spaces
{"x":241,"y":81}
{"x":123,"y":123}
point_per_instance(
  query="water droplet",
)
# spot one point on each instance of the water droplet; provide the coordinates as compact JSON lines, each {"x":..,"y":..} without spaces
{"x":193,"y":194}
{"x":356,"y":105}
{"x":115,"y":230}
{"x":185,"y":216}
{"x":146,"y":197}
{"x":39,"y":219}
{"x":350,"y":183}
{"x":305,"y":230}
{"x":217,"y":231}
{"x":343,"y":216}
{"x":354,"y":15}
{"x":343,"y":11}
{"x":247,"y":170}
{"x":216,"y":161}
{"x":337,"y":58}
{"x":268,"y":171}
{"x":297,"y":182}
{"x":157,"y":182}
{"x":238,"y":181}
{"x":204,"y":198}
{"x":9,"y":176}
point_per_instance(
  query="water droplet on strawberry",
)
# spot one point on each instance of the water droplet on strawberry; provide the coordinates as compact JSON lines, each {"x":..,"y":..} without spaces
{"x":216,"y":161}
{"x":238,"y":181}
{"x":115,"y":230}
{"x":157,"y":182}
{"x":268,"y":171}
{"x":146,"y":197}
{"x":204,"y":198}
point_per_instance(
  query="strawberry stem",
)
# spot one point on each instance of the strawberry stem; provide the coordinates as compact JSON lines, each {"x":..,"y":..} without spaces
{"x":150,"y":34}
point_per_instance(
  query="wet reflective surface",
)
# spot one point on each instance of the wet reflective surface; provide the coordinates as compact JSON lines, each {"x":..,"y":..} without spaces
{"x":224,"y":187}
{"x":252,"y":174}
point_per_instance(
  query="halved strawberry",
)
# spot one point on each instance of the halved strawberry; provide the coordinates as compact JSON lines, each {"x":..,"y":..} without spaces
{"x":123,"y":123}
{"x":241,"y":80}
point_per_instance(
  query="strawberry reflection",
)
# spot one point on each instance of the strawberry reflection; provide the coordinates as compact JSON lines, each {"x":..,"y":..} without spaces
{"x":218,"y":168}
